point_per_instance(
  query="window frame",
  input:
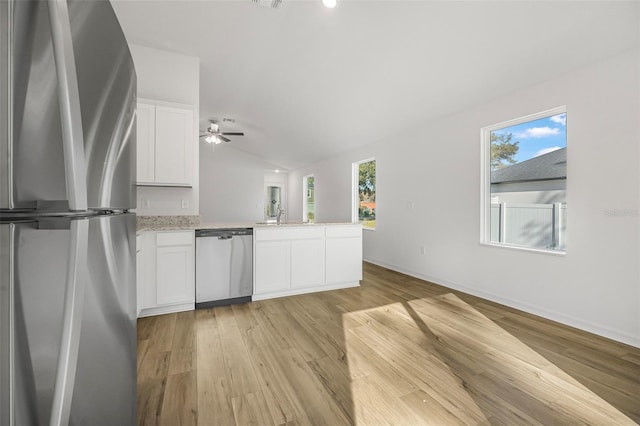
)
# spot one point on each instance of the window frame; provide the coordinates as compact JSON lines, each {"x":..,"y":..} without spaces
{"x":485,"y":180}
{"x":355,"y":191}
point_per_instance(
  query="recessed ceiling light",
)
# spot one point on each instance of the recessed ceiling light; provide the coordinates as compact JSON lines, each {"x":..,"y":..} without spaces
{"x":329,"y":3}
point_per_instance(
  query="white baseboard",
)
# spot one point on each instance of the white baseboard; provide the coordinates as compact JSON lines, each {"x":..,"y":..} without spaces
{"x":560,"y":317}
{"x":166,"y":309}
{"x":296,"y":291}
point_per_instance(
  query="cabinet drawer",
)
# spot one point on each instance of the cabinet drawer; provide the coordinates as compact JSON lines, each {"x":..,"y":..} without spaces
{"x":343,"y":231}
{"x":289,"y":233}
{"x":182,"y":238}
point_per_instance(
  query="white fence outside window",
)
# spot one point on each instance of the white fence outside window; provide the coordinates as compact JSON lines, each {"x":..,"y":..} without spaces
{"x":530,"y":225}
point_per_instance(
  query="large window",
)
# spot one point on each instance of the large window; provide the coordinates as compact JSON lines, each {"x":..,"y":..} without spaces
{"x":364,"y":193}
{"x":524,"y":188}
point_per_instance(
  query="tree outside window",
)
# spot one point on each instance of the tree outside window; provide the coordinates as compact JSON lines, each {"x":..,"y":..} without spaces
{"x":365,"y":190}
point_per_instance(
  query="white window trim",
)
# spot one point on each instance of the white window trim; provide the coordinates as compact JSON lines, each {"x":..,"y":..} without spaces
{"x":305,"y":184}
{"x":355,"y":193}
{"x":485,"y":180}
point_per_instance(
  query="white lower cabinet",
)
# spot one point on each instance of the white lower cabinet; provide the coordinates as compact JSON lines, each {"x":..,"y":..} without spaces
{"x":175,"y":275}
{"x":294,"y":260}
{"x":307,"y":263}
{"x":167,"y":272}
{"x":272,"y":266}
{"x":344,"y":254}
{"x":139,"y":272}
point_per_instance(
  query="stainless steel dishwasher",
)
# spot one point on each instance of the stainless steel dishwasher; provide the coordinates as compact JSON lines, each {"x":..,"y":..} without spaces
{"x":224,"y":266}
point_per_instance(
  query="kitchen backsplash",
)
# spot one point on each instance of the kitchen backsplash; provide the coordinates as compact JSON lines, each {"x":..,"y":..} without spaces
{"x":159,"y":221}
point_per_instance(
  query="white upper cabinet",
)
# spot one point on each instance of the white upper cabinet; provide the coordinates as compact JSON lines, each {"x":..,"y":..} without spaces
{"x":174,"y":145}
{"x":146,"y":145}
{"x":165,"y":139}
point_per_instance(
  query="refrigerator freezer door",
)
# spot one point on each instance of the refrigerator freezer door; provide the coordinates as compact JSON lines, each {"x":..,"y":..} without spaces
{"x":107,"y":90}
{"x":104,"y":384}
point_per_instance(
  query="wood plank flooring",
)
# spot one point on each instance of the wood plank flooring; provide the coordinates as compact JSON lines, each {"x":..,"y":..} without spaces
{"x":396,"y":350}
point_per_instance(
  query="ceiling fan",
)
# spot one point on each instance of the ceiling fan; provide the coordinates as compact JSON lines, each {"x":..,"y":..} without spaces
{"x":213,"y":135}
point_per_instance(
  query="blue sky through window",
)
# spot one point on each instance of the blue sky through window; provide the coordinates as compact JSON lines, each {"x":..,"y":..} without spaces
{"x":538,"y":137}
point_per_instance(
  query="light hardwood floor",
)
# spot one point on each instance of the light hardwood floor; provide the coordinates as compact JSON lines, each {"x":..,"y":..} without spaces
{"x":396,"y":350}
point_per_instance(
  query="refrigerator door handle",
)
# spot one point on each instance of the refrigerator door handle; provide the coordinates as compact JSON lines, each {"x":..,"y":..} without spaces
{"x":77,"y":277}
{"x":69,"y":100}
{"x":6,"y":172}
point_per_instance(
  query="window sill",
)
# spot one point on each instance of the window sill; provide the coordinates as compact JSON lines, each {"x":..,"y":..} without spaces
{"x":561,"y":253}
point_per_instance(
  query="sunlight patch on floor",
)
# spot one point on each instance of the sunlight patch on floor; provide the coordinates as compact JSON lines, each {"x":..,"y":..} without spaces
{"x":438,"y":360}
{"x":389,"y":384}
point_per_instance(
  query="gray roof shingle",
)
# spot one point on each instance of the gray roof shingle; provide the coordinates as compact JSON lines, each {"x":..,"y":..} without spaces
{"x":552,"y":165}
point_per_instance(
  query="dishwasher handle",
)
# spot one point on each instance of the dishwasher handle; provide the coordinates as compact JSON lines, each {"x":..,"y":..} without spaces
{"x":224,"y":232}
{"x":225,"y":237}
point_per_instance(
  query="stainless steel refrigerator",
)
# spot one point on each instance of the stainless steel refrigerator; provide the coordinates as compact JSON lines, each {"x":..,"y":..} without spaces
{"x":67,"y":237}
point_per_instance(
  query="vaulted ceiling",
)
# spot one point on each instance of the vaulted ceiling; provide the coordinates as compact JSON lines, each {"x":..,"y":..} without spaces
{"x":305,"y":82}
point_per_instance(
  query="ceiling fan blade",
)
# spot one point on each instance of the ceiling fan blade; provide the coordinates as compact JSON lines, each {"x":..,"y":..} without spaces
{"x":224,"y":139}
{"x":232,"y":133}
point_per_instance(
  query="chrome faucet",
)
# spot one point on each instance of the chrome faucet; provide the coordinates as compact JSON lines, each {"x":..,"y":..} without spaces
{"x":280,"y":211}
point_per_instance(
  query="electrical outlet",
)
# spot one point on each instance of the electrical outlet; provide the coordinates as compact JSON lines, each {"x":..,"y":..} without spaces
{"x":185,"y":204}
{"x":145,"y":203}
{"x":422,"y":250}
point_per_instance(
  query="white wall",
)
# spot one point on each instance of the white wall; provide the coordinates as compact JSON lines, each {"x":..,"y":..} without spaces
{"x":436,"y":169}
{"x":231,"y":185}
{"x":169,"y":77}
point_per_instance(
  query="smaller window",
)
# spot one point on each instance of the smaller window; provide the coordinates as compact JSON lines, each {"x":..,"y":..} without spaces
{"x":524,"y":185}
{"x":308,"y":199}
{"x":364,"y":193}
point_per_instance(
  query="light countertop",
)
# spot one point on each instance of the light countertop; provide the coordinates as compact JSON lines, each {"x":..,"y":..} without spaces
{"x":190,"y":223}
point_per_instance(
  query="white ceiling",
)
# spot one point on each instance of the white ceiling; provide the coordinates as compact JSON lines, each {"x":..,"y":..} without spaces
{"x":305,"y":82}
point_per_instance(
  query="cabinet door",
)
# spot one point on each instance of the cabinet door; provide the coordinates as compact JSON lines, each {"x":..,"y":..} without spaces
{"x":146,"y":141}
{"x":147,"y":271}
{"x":174,"y":145}
{"x":139,"y":272}
{"x":307,"y":263}
{"x":175,"y":275}
{"x":272,"y":263}
{"x":344,"y":260}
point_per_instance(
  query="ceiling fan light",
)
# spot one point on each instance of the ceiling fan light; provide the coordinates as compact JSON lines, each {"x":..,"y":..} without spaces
{"x":217,"y":140}
{"x":209,"y":139}
{"x":329,"y":3}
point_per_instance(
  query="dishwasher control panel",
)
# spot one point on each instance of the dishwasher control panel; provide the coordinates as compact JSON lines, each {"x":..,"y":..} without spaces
{"x":220,"y":232}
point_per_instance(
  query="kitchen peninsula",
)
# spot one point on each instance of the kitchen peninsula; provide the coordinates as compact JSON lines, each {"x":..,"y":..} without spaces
{"x":288,"y":259}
